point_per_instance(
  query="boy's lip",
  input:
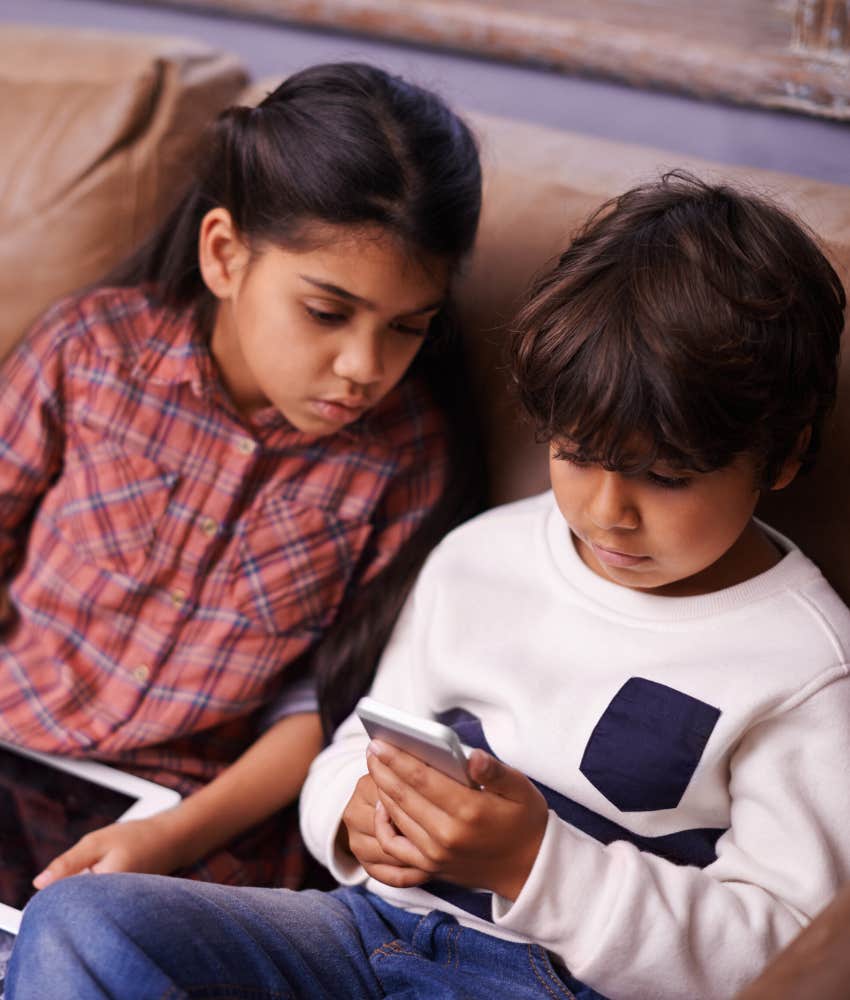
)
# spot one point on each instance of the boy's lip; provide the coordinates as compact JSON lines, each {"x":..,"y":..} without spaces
{"x":614,"y":557}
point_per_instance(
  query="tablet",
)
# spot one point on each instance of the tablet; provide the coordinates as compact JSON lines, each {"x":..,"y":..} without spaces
{"x":47,"y":803}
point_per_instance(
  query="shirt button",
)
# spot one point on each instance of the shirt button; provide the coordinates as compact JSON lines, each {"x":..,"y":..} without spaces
{"x":208,"y":526}
{"x":141,"y":673}
{"x":246,"y":446}
{"x":178,"y":596}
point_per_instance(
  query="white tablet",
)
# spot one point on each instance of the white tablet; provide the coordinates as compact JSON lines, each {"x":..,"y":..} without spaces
{"x":47,"y":803}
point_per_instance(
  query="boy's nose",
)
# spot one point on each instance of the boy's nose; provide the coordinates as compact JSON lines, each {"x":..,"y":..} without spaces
{"x":359,"y":358}
{"x":611,"y":504}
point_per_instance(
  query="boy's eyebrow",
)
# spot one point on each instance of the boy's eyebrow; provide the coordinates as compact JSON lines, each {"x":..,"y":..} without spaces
{"x":342,"y":293}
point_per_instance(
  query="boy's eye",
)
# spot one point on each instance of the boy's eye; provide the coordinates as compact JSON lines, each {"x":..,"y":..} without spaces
{"x":570,"y":456}
{"x":668,"y":482}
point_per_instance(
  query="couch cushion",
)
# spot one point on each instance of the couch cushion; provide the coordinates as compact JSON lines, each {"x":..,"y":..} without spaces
{"x":95,"y":135}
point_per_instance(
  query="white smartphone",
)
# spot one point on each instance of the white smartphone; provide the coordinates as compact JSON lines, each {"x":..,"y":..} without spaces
{"x":430,"y":741}
{"x":47,"y":803}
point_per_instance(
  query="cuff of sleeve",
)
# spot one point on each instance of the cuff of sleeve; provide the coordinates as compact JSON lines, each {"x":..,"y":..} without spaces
{"x":563,"y":870}
{"x":344,"y":867}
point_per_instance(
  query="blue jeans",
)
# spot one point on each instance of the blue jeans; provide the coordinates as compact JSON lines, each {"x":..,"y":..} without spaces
{"x":147,"y":937}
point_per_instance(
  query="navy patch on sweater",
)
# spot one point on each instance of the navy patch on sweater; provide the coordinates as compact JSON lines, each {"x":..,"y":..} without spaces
{"x":646,"y":746}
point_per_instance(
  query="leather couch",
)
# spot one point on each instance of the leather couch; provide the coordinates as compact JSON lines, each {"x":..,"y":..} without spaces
{"x":96,"y":132}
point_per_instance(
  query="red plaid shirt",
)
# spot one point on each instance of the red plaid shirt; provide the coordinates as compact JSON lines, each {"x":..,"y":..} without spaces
{"x":166,"y":558}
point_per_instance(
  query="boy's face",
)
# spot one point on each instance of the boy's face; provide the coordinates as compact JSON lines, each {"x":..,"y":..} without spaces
{"x":670,"y":533}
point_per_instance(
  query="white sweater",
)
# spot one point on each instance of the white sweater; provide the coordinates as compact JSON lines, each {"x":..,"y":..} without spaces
{"x":695,"y":752}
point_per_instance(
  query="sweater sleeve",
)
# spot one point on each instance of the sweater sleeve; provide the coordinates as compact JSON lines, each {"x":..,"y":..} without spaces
{"x":629,"y":923}
{"x":337,"y":769}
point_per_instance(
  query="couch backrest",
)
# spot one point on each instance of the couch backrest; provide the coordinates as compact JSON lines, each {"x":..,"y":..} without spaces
{"x":540,"y":184}
{"x":96,"y":133}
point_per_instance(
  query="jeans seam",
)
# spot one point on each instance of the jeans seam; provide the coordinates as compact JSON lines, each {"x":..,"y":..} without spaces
{"x":562,"y":989}
{"x":452,"y":950}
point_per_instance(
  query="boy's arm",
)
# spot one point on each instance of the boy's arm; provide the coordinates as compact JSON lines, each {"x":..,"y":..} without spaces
{"x":630,"y":923}
{"x":267,"y":777}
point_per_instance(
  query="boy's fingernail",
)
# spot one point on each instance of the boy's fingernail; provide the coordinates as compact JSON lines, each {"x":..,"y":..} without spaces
{"x":377,"y":748}
{"x":43,"y":878}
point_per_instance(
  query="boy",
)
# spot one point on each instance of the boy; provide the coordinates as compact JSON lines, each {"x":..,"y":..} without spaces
{"x":655,"y":682}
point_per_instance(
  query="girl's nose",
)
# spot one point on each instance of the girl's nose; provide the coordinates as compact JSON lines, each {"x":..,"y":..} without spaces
{"x":359,"y":358}
{"x":611,"y":505}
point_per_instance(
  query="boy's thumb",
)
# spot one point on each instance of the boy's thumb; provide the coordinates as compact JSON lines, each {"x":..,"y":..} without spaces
{"x":490,"y":773}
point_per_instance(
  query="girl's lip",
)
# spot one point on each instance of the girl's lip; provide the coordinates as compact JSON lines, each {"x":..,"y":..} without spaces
{"x":340,"y":411}
{"x":612,"y":557}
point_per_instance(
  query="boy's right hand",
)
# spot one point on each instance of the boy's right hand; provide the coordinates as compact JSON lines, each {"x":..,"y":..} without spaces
{"x":359,"y":821}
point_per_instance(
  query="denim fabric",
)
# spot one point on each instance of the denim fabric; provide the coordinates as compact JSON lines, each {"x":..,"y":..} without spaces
{"x":145,"y":937}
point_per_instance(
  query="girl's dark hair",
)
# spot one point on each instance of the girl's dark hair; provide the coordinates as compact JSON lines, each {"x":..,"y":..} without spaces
{"x":343,"y":145}
{"x":687,"y":323}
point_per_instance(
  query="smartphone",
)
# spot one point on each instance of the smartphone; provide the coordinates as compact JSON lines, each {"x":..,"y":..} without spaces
{"x":430,"y":741}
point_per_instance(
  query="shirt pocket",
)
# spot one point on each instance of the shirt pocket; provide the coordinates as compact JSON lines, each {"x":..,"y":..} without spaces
{"x":294,"y":563}
{"x":647,"y":744}
{"x":111,"y":506}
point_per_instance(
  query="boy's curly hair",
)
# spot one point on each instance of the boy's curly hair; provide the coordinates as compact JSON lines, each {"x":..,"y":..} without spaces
{"x":700,"y":319}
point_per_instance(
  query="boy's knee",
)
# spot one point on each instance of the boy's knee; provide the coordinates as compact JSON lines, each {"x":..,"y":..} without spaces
{"x":75,"y":911}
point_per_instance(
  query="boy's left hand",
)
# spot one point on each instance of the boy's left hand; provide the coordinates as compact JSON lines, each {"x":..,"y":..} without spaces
{"x":484,"y":839}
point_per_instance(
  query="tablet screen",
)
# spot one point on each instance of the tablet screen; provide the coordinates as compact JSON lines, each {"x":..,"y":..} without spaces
{"x":43,"y":812}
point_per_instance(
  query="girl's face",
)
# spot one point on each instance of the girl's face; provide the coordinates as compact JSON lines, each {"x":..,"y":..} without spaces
{"x":322,"y":334}
{"x":670,"y":533}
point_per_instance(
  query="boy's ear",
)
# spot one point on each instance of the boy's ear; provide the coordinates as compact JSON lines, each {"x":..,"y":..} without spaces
{"x":791,"y":465}
{"x":222,"y":254}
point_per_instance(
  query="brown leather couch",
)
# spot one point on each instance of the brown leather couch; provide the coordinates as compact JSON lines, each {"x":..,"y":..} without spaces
{"x":95,"y":135}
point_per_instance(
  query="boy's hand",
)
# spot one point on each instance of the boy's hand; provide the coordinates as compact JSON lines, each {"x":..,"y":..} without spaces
{"x":141,"y":845}
{"x":359,"y":820}
{"x":484,"y":839}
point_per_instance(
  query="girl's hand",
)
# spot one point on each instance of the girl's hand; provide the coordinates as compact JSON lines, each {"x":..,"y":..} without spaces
{"x":484,"y":839}
{"x":141,"y":845}
{"x":359,"y":822}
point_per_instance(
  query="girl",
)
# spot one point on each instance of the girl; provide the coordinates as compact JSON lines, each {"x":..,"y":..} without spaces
{"x":228,"y":464}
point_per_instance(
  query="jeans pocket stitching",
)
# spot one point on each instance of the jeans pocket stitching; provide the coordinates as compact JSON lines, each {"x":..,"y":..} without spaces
{"x":534,"y":951}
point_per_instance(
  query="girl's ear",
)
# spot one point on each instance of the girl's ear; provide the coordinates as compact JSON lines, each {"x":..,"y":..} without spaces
{"x":792,"y":464}
{"x":222,"y":255}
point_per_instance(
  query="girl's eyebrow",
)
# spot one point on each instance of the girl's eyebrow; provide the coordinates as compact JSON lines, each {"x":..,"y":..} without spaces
{"x":342,"y":293}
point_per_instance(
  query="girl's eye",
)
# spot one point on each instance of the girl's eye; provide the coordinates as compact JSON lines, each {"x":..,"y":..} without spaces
{"x":668,"y":482}
{"x":325,"y":317}
{"x":414,"y":331}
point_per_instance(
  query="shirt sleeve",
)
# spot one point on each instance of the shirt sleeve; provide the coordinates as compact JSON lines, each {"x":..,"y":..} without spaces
{"x":648,"y":927}
{"x":31,"y":428}
{"x":335,"y":772}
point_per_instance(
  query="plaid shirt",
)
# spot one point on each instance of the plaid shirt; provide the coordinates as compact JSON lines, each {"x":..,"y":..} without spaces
{"x":166,"y":558}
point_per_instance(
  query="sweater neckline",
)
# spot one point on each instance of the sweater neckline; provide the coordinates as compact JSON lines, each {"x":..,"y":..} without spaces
{"x":792,"y":566}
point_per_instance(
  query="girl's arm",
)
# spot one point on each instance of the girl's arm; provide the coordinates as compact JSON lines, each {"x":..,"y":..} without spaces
{"x":32,"y":432}
{"x":267,"y":777}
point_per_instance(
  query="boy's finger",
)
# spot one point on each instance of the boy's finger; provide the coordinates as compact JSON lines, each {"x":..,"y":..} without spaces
{"x":405,"y":800}
{"x":394,"y":841}
{"x":393,"y":768}
{"x":494,"y":776}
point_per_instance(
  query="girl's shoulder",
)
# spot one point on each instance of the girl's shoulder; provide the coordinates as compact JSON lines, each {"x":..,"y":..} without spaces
{"x":108,"y":321}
